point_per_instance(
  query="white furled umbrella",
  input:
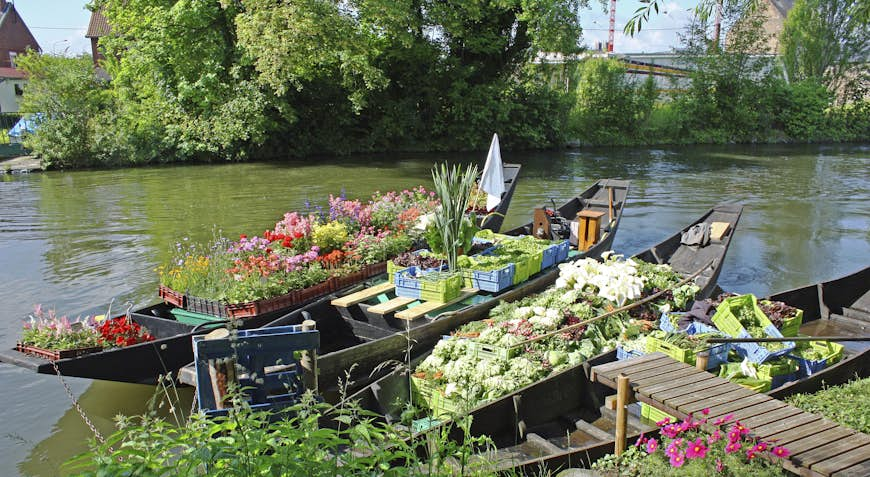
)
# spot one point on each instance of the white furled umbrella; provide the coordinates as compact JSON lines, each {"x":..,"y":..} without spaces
{"x":492,"y":179}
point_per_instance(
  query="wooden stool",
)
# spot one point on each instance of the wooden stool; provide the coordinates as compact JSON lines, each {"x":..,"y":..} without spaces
{"x":541,"y":225}
{"x":588,"y":231}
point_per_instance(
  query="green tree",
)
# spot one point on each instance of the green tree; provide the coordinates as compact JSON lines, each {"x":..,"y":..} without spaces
{"x":827,"y":41}
{"x":67,"y":98}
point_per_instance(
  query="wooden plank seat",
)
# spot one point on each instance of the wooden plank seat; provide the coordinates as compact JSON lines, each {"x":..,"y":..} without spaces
{"x":362,"y":295}
{"x":817,"y":446}
{"x":418,"y":311}
{"x":391,"y":306}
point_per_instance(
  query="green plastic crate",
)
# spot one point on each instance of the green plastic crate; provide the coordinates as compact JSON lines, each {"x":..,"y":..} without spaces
{"x":653,"y":414}
{"x":429,"y":393}
{"x":192,"y":317}
{"x":442,"y":290}
{"x":791,"y":326}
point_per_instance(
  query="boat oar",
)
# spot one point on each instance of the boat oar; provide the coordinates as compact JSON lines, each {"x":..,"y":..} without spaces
{"x":793,"y":338}
{"x":617,"y":310}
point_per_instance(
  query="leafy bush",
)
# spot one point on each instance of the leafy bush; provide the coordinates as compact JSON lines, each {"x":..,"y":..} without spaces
{"x":829,"y":402}
{"x":803,"y":115}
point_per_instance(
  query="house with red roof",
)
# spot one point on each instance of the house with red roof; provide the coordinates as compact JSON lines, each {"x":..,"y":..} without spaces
{"x":15,"y":39}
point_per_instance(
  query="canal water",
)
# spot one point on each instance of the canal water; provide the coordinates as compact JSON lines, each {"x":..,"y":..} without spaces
{"x":80,"y":239}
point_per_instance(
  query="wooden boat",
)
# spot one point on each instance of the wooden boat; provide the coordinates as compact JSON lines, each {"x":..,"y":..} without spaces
{"x":171,"y":350}
{"x":563,"y":421}
{"x":363,"y":330}
{"x":559,"y":420}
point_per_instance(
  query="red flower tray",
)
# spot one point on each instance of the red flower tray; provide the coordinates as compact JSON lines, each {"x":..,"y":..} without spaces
{"x":171,"y":296}
{"x":54,"y":355}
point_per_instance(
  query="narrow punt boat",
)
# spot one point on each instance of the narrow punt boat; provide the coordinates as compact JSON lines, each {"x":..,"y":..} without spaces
{"x":562,"y":421}
{"x":361,"y":331}
{"x":171,"y":349}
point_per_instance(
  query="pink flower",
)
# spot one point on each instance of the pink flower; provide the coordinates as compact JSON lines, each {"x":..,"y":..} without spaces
{"x":780,"y":451}
{"x":678,"y":459}
{"x":640,"y":440}
{"x":705,"y":411}
{"x":723,"y":420}
{"x":697,"y":449}
{"x":732,"y":446}
{"x":750,"y":453}
{"x":743,"y":430}
{"x":733,"y":435}
{"x":664,"y":421}
{"x":760,"y":447}
{"x":719,"y":466}
{"x":651,"y":446}
{"x":670,"y":431}
{"x":716,"y":436}
{"x":673,"y":449}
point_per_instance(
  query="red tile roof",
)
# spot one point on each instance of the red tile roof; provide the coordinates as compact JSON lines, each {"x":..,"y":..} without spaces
{"x":98,"y":26}
{"x":7,"y":72}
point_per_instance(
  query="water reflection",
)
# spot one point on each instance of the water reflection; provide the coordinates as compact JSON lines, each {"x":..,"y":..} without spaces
{"x":78,"y":240}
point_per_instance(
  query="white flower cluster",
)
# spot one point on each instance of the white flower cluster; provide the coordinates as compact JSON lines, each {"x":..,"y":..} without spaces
{"x":615,"y":280}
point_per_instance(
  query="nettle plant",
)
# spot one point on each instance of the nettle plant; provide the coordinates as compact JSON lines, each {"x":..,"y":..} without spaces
{"x":698,"y":447}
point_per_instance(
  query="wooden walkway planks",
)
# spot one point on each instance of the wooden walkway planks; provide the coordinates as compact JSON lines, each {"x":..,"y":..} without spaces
{"x":362,"y":295}
{"x":817,"y":445}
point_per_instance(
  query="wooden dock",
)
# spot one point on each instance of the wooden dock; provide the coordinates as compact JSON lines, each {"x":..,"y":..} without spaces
{"x":817,"y":446}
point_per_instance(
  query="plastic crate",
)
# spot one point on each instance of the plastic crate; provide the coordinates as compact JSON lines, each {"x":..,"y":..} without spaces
{"x":622,"y":353}
{"x":392,"y":268}
{"x":431,"y":394}
{"x":490,"y":351}
{"x":554,"y":254}
{"x":492,"y":280}
{"x":665,"y":323}
{"x":193,"y":318}
{"x":791,"y":326}
{"x":442,"y":290}
{"x":718,"y":352}
{"x":535,"y":261}
{"x":655,"y":415}
{"x":726,"y":320}
{"x":807,"y":367}
{"x":757,"y":385}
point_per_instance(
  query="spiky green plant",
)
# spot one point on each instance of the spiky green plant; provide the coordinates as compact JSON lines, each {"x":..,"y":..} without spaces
{"x":453,"y":187}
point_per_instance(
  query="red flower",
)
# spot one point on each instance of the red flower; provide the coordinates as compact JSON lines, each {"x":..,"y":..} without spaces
{"x":297,"y":235}
{"x":243,"y":236}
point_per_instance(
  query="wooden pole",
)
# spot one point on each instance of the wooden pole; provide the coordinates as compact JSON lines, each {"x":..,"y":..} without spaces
{"x":610,"y":203}
{"x":701,"y":360}
{"x":309,"y":361}
{"x":622,"y":398}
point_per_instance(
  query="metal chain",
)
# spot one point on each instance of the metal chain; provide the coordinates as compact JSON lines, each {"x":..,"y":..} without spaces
{"x":79,"y":408}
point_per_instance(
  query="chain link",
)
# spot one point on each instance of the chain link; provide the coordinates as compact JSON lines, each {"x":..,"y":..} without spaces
{"x":79,"y":408}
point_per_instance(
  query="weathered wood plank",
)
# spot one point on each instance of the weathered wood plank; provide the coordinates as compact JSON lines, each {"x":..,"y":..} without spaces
{"x":811,"y":440}
{"x":786,"y":438}
{"x":861,"y":469}
{"x":785,"y":412}
{"x":634,"y":374}
{"x":756,"y":410}
{"x":614,"y":368}
{"x":654,"y":384}
{"x":814,"y":458}
{"x":712,"y":402}
{"x":719,"y":408}
{"x":681,"y":388}
{"x":391,"y":305}
{"x":429,"y":306}
{"x":362,"y":295}
{"x":710,"y":393}
{"x":768,"y":430}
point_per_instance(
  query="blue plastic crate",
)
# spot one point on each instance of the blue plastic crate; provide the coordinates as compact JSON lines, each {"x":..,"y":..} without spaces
{"x":492,"y":280}
{"x":251,"y":352}
{"x":759,"y":354}
{"x":666,"y":325}
{"x":555,"y":253}
{"x":622,"y":353}
{"x":777,"y":381}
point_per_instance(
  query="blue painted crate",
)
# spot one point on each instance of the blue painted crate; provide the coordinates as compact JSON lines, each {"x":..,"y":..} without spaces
{"x":250,"y":352}
{"x":492,"y":280}
{"x":622,"y":353}
{"x":726,"y":320}
{"x":555,"y":253}
{"x":666,"y":325}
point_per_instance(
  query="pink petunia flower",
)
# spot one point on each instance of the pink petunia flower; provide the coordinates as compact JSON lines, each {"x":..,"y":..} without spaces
{"x":697,"y":449}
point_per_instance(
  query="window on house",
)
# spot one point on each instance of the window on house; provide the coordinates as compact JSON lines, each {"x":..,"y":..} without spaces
{"x":12,"y":56}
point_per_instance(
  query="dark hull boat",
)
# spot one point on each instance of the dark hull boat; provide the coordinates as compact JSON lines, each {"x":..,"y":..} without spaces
{"x":358,"y":337}
{"x":171,"y":350}
{"x":560,"y":421}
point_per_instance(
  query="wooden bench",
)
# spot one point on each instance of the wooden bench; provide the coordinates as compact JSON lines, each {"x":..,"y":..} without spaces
{"x":362,"y":295}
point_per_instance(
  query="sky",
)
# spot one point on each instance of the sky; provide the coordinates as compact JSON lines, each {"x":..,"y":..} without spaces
{"x":60,"y":25}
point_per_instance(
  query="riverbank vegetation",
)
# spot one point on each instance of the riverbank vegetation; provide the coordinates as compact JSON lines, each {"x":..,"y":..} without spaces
{"x":829,"y":403}
{"x":208,"y":79}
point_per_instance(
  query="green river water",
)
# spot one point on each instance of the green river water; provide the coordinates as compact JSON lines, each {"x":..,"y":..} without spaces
{"x":80,"y":239}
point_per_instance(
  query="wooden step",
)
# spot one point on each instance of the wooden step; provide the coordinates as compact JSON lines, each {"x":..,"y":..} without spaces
{"x":429,"y":306}
{"x":543,"y":445}
{"x":856,"y":314}
{"x":390,"y":306}
{"x":362,"y":295}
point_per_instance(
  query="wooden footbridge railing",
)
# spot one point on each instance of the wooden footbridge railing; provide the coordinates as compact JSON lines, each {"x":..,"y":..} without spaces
{"x":817,"y":446}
